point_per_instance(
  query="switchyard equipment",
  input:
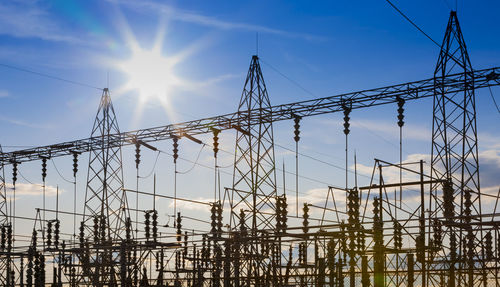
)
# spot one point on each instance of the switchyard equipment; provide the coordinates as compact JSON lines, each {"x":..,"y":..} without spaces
{"x":452,"y":241}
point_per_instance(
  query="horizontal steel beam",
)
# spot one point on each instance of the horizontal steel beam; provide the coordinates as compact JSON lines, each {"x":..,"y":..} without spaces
{"x":355,"y":100}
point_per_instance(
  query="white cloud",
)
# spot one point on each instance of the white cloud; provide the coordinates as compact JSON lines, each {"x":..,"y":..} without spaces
{"x":488,"y":141}
{"x":489,"y":162}
{"x":25,"y":124}
{"x":28,"y":19}
{"x":195,"y":18}
{"x":4,"y":94}
{"x":185,"y":205}
{"x":29,"y":189}
{"x":411,"y":132}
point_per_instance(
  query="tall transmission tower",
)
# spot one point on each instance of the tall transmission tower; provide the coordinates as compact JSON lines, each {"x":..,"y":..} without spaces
{"x":455,"y":159}
{"x":4,"y":217}
{"x":104,"y":195}
{"x":4,"y":223}
{"x":105,"y":201}
{"x":254,"y":180}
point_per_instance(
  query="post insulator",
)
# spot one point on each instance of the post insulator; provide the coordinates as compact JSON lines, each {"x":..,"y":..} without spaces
{"x":82,"y":234}
{"x":177,"y":260}
{"x":304,"y":253}
{"x":377,"y":224}
{"x":284,"y":213}
{"x":213,"y":218}
{"x":467,"y":204}
{"x":103,"y":228}
{"x":42,"y":269}
{"x":437,"y":230}
{"x":453,"y":246}
{"x":37,"y":269}
{"x":296,"y":126}
{"x":243,"y":227}
{"x":186,"y":237}
{"x":401,"y":103}
{"x":175,"y":149}
{"x":137,"y":154}
{"x":75,"y":163}
{"x":3,"y":240}
{"x":179,"y":227}
{"x":49,"y":234}
{"x":219,"y":219}
{"x":128,"y":229}
{"x":420,"y":246}
{"x":9,"y":237}
{"x":448,"y":200}
{"x":155,"y":225}
{"x":146,"y":225}
{"x":96,"y":229}
{"x":305,"y":216}
{"x":398,"y":236}
{"x":29,"y":271}
{"x":278,"y":214}
{"x":44,"y":169}
{"x":216,"y":141}
{"x":301,"y":251}
{"x":209,"y":248}
{"x":330,"y":255}
{"x":56,"y":233}
{"x":488,"y":246}
{"x":183,"y":258}
{"x":34,"y":239}
{"x":347,"y":111}
{"x":14,"y":173}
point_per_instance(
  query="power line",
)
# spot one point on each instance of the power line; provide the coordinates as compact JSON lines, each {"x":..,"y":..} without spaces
{"x":288,"y":78}
{"x":413,"y":23}
{"x":448,"y":4}
{"x":49,"y":76}
{"x":493,"y":98}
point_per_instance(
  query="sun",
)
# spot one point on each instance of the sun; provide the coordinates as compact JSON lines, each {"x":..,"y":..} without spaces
{"x":150,"y":74}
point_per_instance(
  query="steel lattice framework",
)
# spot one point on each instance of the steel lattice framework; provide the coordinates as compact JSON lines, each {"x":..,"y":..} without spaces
{"x":455,"y":159}
{"x":254,"y":179}
{"x":105,"y":202}
{"x":453,"y":243}
{"x":453,"y":83}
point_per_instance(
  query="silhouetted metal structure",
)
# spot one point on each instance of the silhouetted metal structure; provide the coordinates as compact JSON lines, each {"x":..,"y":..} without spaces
{"x":455,"y":159}
{"x":446,"y":241}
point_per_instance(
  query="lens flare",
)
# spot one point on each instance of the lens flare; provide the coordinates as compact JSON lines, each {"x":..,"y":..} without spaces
{"x":149,"y":73}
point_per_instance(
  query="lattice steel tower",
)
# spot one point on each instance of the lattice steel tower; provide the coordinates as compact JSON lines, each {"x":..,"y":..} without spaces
{"x":455,"y":159}
{"x":105,"y":201}
{"x":253,"y":194}
{"x":4,"y":223}
{"x":254,"y":177}
{"x":104,"y":195}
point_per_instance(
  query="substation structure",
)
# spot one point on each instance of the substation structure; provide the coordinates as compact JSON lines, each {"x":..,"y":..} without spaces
{"x":452,"y":240}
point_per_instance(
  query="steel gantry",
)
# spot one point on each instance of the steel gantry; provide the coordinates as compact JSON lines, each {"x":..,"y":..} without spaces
{"x":362,"y":246}
{"x":452,"y":83}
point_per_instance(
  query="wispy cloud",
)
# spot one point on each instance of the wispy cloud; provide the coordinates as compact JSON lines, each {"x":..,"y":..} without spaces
{"x":24,"y":123}
{"x":31,"y":189}
{"x":489,"y":161}
{"x":29,"y":19}
{"x":203,"y":20}
{"x":4,"y":93}
{"x":413,"y":132}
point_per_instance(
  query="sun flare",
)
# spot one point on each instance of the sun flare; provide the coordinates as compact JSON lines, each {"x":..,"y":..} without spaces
{"x":149,"y":73}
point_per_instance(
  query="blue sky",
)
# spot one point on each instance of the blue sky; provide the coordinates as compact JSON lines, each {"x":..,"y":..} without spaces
{"x":328,"y":47}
